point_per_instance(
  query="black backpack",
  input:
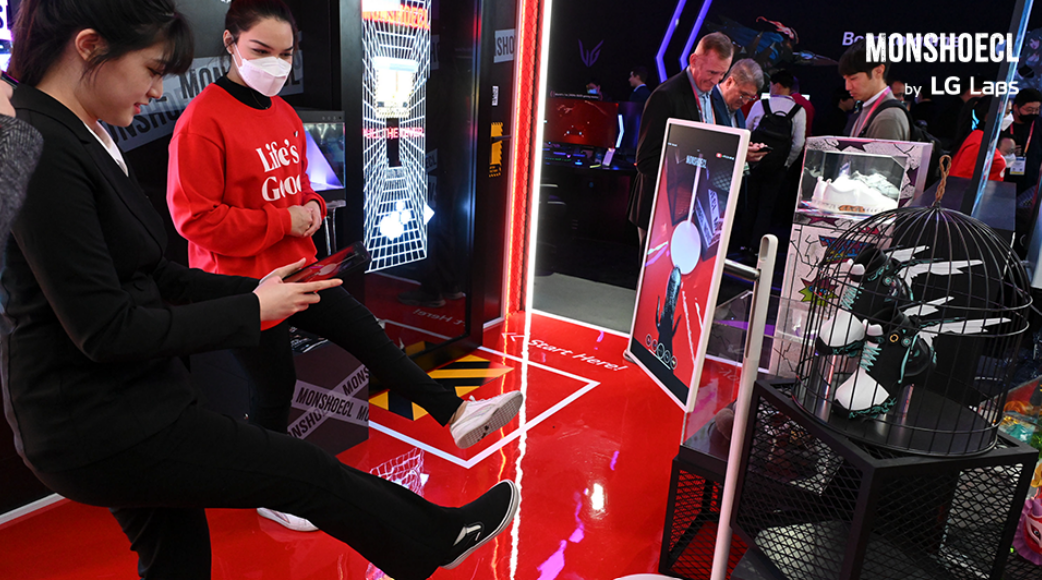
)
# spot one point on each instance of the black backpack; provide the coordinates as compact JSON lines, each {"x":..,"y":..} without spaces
{"x":775,"y":130}
{"x":916,"y":133}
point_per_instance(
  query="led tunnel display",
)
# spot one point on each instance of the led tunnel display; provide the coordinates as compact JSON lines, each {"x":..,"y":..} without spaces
{"x":395,"y":80}
{"x":396,"y":40}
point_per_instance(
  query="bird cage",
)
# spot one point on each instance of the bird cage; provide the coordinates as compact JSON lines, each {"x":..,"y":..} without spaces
{"x":915,"y":332}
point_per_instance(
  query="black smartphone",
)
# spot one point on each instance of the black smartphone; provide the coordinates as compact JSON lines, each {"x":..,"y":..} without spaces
{"x":766,"y":147}
{"x":8,"y":79}
{"x":337,"y":265}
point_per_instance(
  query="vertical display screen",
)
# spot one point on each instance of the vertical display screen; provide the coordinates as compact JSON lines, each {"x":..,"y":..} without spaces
{"x":397,"y":51}
{"x":325,"y":155}
{"x":691,"y":217}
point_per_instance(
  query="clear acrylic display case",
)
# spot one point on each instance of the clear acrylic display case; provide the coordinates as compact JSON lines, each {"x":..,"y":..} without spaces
{"x":896,"y":171}
{"x":861,"y":176}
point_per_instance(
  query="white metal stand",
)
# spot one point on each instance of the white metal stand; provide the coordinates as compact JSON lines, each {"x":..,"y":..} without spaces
{"x":750,"y":368}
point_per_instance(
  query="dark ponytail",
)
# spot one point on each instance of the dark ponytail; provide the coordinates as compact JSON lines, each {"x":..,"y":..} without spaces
{"x":245,"y":14}
{"x":44,"y":28}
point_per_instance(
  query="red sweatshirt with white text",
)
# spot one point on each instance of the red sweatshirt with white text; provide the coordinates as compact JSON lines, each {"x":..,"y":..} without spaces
{"x":234,"y":172}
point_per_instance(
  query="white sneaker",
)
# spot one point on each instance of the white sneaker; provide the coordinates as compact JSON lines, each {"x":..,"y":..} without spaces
{"x":480,"y":418}
{"x":295,"y":523}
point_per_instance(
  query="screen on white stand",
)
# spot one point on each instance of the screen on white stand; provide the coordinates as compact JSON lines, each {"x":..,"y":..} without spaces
{"x":695,"y":199}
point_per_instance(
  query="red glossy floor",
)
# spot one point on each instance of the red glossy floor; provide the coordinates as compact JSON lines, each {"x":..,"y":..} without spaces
{"x":591,"y":452}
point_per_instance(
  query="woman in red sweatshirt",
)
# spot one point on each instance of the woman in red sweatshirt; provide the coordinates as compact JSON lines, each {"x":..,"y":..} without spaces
{"x":239,"y":193}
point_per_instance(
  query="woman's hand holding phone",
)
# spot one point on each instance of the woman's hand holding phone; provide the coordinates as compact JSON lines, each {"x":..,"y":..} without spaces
{"x":280,"y":300}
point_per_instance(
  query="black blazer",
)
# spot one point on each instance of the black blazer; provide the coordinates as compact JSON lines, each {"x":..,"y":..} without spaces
{"x":672,"y":99}
{"x":97,"y":316}
{"x":722,"y":112}
{"x":640,"y":94}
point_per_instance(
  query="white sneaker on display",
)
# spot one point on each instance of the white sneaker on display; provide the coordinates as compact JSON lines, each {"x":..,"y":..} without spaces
{"x":479,"y":418}
{"x":295,"y":523}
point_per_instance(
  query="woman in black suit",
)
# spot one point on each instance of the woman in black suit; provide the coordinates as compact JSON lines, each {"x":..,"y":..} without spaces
{"x":100,"y":403}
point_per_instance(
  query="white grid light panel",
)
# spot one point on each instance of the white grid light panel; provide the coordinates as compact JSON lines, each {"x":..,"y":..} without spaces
{"x":396,"y":40}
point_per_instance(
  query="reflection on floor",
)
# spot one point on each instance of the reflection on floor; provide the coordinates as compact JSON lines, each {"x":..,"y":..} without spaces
{"x":595,"y":281}
{"x":591,"y":451}
{"x":381,"y":297}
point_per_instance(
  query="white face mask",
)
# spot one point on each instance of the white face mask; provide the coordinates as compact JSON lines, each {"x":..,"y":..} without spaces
{"x":1007,"y":121}
{"x":265,"y":75}
{"x":1010,"y":159}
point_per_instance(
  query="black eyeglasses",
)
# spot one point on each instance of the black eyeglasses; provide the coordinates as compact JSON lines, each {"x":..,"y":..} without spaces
{"x":9,"y":79}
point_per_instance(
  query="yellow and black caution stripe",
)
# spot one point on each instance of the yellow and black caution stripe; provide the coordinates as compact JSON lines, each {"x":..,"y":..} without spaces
{"x":463,"y":375}
{"x":417,"y":347}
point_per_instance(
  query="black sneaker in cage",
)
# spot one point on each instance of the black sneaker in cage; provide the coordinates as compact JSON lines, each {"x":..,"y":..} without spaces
{"x":871,"y":292}
{"x":879,"y":284}
{"x":887,"y":364}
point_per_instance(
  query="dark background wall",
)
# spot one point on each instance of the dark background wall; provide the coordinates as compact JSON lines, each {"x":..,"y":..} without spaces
{"x":617,"y":36}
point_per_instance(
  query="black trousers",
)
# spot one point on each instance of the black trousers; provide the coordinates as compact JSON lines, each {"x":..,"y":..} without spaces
{"x":158,"y":488}
{"x":766,"y":187}
{"x":339,"y":318}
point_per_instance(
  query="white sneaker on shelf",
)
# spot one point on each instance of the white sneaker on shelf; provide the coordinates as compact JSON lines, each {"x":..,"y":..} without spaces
{"x":295,"y":523}
{"x":482,"y":417}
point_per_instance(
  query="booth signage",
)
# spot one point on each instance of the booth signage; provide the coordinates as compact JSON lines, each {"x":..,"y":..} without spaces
{"x":505,"y":44}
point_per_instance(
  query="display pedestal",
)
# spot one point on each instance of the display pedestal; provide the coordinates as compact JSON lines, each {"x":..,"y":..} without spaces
{"x":818,"y":505}
{"x":812,"y":242}
{"x":693,"y":509}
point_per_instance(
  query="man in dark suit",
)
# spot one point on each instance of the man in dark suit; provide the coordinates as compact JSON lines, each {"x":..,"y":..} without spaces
{"x":683,"y":96}
{"x":638,"y":80}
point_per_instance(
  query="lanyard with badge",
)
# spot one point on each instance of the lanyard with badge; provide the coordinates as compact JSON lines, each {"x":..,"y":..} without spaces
{"x":1018,"y":164}
{"x":698,"y":102}
{"x":862,"y":120}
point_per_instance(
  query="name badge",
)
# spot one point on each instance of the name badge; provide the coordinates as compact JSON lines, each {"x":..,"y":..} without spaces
{"x":1018,"y":166}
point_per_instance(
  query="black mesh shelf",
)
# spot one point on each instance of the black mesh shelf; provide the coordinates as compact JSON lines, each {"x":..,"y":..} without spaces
{"x":693,"y":509}
{"x":821,"y":506}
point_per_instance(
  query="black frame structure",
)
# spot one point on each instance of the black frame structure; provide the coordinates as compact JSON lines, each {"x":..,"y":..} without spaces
{"x":345,"y":27}
{"x":820,"y":505}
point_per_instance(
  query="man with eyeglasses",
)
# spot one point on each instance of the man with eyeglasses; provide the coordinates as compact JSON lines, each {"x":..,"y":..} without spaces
{"x":1026,"y":107}
{"x":741,"y":86}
